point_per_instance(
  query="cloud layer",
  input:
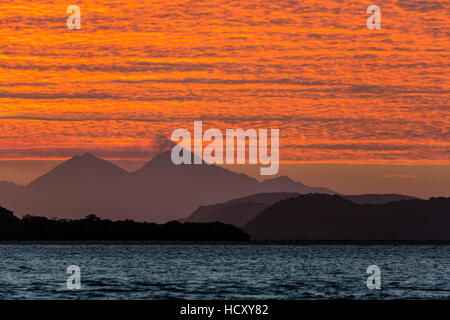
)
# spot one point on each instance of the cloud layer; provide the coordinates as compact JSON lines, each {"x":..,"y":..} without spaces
{"x":137,"y":70}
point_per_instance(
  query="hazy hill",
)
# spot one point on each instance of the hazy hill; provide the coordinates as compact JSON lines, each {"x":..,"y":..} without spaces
{"x":9,"y":190}
{"x":74,"y":188}
{"x":240,"y":211}
{"x":377,"y":198}
{"x":159,"y":191}
{"x":331,"y":217}
{"x":286,"y":184}
{"x":237,"y":211}
{"x":80,"y":172}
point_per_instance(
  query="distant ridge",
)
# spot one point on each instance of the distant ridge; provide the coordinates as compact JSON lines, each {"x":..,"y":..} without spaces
{"x":237,"y":211}
{"x":377,"y":198}
{"x":240,"y":211}
{"x":159,"y":191}
{"x":321,"y":217}
{"x":79,"y":171}
{"x":286,"y":184}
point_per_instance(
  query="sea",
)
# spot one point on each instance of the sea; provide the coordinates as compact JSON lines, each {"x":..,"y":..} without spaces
{"x":224,"y":271}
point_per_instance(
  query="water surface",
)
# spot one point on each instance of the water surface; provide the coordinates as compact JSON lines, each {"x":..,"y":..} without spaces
{"x":224,"y":271}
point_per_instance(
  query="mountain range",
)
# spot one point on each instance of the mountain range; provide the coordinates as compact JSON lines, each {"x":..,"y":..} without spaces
{"x":240,"y":211}
{"x":274,"y":209}
{"x":159,"y":191}
{"x":322,"y":217}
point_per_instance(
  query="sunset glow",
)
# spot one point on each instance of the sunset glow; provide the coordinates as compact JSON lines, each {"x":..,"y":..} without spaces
{"x":137,"y":70}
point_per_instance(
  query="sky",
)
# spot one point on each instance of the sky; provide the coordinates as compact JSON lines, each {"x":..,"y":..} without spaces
{"x":137,"y":70}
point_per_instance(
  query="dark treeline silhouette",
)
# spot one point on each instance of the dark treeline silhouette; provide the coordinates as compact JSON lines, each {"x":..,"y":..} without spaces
{"x":34,"y":228}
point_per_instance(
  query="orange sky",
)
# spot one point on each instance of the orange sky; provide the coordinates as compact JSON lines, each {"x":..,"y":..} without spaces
{"x":137,"y":70}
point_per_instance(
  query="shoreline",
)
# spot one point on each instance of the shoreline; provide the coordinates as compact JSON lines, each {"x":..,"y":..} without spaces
{"x":178,"y":242}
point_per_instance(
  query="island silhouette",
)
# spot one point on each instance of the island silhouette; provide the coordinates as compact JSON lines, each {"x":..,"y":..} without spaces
{"x":242,"y":210}
{"x":92,"y":228}
{"x":322,"y":217}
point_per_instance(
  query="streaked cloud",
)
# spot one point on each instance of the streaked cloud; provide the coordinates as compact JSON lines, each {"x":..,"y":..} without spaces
{"x":138,"y":70}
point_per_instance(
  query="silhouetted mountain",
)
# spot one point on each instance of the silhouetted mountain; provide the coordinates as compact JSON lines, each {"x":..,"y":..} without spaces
{"x":240,"y":211}
{"x":94,"y":228}
{"x":9,"y":190}
{"x":79,"y":173}
{"x":237,"y":211}
{"x":159,"y":191}
{"x":377,"y":198}
{"x":173,"y":191}
{"x":317,"y":217}
{"x":286,"y":184}
{"x":74,"y":188}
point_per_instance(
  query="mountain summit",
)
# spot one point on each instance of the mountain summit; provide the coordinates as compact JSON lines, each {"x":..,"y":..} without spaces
{"x":80,"y":171}
{"x":159,"y":191}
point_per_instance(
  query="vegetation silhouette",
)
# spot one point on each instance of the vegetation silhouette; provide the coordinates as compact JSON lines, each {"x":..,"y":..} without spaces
{"x":35,"y":228}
